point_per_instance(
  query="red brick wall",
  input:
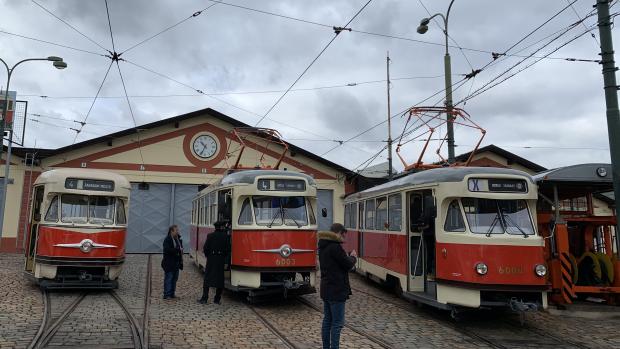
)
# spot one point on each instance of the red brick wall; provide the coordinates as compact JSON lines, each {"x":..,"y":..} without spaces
{"x":25,"y":207}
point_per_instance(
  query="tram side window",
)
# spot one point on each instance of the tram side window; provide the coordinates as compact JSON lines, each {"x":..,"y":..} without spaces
{"x":52,"y":211}
{"x":74,"y":208}
{"x":395,"y":212}
{"x":121,"y":217}
{"x":311,"y":212}
{"x":204,"y":207}
{"x":454,"y":218}
{"x":347,"y":216}
{"x":382,"y":214}
{"x":360,"y":215}
{"x":213,"y":209}
{"x":370,"y":214}
{"x":245,"y":217}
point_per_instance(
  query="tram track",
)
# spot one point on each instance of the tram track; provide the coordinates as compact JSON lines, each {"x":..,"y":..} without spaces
{"x":50,"y":324}
{"x":499,"y":343}
{"x":380,"y":342}
{"x":269,"y":325}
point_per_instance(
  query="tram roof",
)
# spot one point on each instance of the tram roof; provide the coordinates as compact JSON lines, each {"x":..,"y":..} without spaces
{"x":582,"y":173}
{"x":249,"y":176}
{"x":447,"y":174}
{"x":59,"y":175}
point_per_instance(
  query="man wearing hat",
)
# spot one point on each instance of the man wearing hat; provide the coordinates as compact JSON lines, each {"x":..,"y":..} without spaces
{"x":335,"y":289}
{"x":216,"y":250}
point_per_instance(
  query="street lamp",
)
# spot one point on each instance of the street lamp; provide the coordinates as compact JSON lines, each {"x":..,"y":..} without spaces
{"x":423,"y":28}
{"x":58,"y":63}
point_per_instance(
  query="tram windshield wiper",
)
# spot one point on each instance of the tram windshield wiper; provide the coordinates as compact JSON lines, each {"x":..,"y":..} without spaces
{"x":493,"y":224}
{"x":284,"y":217}
{"x":275,"y":216}
{"x":509,"y":220}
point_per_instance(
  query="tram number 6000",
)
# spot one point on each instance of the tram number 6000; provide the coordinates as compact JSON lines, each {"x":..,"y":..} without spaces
{"x":282,"y":261}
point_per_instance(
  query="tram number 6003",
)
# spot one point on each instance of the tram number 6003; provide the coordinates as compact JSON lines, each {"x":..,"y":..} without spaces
{"x":284,"y":262}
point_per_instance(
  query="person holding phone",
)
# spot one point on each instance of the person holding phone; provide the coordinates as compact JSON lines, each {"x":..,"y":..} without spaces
{"x":335,"y":265}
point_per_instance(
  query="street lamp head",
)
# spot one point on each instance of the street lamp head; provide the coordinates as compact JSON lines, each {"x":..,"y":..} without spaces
{"x":425,"y":21}
{"x":60,"y":64}
{"x":54,"y":59}
{"x":422,"y":29}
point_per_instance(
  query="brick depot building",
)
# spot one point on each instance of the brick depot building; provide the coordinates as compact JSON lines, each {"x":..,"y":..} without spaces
{"x":161,"y":155}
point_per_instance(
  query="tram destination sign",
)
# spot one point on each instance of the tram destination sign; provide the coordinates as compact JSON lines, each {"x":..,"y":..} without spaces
{"x":89,"y":184}
{"x":497,"y":185}
{"x":281,"y":185}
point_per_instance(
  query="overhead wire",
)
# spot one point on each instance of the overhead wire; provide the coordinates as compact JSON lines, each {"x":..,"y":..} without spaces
{"x":77,"y":133}
{"x":52,"y":43}
{"x":336,"y":34}
{"x":69,"y":25}
{"x":230,"y":93}
{"x":598,"y":45}
{"x":193,"y":15}
{"x":76,"y":121}
{"x":143,"y":168}
{"x":110,"y":27}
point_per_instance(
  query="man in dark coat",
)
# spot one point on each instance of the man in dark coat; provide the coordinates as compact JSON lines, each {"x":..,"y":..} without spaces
{"x":172,"y":261}
{"x":335,"y":289}
{"x":216,"y":250}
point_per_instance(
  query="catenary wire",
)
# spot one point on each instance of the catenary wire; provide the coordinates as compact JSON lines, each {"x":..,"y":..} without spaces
{"x":69,"y":25}
{"x":51,"y":43}
{"x":110,"y":26}
{"x":193,"y":15}
{"x":77,"y":133}
{"x":336,"y":34}
{"x":132,"y":116}
{"x":584,"y":25}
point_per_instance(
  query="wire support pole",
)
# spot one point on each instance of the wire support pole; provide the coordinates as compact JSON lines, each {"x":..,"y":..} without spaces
{"x":389,"y":120}
{"x":611,"y":96}
{"x":7,"y":162}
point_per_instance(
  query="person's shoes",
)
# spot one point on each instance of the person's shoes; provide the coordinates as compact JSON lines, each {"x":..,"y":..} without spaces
{"x":166,"y":298}
{"x":203,"y":300}
{"x":218,"y":302}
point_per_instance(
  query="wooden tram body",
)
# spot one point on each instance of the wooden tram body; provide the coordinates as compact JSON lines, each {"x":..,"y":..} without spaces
{"x":458,"y":237}
{"x":273,"y":238}
{"x":583,"y":250}
{"x":77,"y":227}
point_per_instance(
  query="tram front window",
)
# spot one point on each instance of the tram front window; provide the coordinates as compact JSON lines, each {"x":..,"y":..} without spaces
{"x":84,"y":209}
{"x":488,"y":216}
{"x":275,"y":210}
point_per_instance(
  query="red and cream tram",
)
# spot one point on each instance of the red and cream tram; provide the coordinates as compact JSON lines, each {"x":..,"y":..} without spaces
{"x":78,"y":219}
{"x":273,"y":236}
{"x":458,"y":237}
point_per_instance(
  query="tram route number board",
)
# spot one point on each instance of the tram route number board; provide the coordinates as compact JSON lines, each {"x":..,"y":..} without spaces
{"x":89,"y":184}
{"x":497,"y":185}
{"x":281,"y":185}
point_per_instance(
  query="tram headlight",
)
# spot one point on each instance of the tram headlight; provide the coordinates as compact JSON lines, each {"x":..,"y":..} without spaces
{"x":481,"y":268}
{"x":540,"y":270}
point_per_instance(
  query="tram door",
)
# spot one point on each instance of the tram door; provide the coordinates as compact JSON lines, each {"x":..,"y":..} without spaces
{"x":35,"y":219}
{"x":421,"y":242}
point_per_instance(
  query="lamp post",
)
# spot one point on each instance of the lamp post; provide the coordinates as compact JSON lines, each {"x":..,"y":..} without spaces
{"x":58,"y":64}
{"x":423,"y":28}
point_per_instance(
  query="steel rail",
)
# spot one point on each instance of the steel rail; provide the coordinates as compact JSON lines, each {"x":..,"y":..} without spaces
{"x":273,"y":329}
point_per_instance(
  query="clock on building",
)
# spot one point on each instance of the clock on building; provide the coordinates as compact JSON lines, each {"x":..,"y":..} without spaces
{"x":204,"y":146}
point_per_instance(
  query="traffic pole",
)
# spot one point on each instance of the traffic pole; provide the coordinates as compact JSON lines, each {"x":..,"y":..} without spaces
{"x":611,"y":100}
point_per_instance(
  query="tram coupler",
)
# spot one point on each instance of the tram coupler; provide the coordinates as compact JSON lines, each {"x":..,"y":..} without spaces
{"x":521,"y":307}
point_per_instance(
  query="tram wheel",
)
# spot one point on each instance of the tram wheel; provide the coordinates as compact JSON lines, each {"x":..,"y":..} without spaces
{"x":455,"y":315}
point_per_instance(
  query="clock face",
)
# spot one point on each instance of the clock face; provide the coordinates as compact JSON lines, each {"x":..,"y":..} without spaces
{"x":204,"y":146}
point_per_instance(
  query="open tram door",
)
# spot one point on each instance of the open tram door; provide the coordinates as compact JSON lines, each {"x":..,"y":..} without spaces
{"x":35,"y":219}
{"x":421,"y":242}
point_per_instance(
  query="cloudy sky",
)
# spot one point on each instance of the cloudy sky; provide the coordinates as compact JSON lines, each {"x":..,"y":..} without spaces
{"x":552,"y":113}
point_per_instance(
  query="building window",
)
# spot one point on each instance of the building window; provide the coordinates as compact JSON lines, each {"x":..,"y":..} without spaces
{"x":395,"y":212}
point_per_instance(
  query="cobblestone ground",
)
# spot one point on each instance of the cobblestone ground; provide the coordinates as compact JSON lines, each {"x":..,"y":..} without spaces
{"x":21,"y":304}
{"x":97,"y":321}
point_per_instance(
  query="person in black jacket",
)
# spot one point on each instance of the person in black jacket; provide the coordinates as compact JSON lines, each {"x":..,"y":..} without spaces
{"x":335,"y":289}
{"x":172,"y":261}
{"x":216,"y":250}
